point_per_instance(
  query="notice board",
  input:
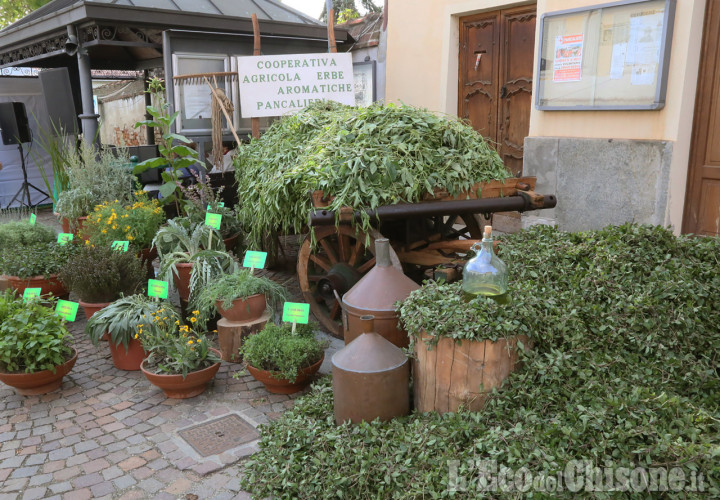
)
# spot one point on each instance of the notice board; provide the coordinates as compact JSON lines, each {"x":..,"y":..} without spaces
{"x":612,"y":56}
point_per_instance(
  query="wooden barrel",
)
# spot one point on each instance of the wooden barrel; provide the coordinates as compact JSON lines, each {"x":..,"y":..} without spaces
{"x":461,"y":373}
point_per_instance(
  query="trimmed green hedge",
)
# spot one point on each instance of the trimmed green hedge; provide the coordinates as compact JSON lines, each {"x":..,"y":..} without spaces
{"x":624,"y":374}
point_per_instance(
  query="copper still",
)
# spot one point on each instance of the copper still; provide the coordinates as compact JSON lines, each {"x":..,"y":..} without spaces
{"x":376,"y":294}
{"x":371,"y":378}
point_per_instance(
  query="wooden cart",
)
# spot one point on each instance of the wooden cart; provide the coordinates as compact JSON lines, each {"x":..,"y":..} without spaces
{"x":438,"y":231}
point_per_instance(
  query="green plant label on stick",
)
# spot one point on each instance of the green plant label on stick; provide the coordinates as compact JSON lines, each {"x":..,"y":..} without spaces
{"x":158,"y":288}
{"x":255,"y":259}
{"x":296,"y":312}
{"x":213,"y":220}
{"x":66,"y":309}
{"x":31,"y":293}
{"x":220,"y":204}
{"x":64,"y":238}
{"x":121,"y":245}
{"x":33,"y":218}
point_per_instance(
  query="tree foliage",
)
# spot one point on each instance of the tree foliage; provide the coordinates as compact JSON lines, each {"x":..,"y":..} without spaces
{"x":345,"y":10}
{"x":12,"y":10}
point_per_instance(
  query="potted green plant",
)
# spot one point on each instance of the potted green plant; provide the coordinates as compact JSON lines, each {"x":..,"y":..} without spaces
{"x":199,"y":199}
{"x":36,"y":266}
{"x":181,"y":361}
{"x":98,"y":275}
{"x":35,"y":352}
{"x":94,"y":177}
{"x":173,"y":148}
{"x":23,"y":233}
{"x":122,"y":320}
{"x":239,"y":296}
{"x":191,"y":257}
{"x":282,"y":360}
{"x":136,"y":222}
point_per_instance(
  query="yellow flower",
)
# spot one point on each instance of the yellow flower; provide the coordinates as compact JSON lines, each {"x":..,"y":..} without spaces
{"x":136,"y":335}
{"x":190,"y":342}
{"x":130,"y":237}
{"x":196,"y":312}
{"x":193,"y":319}
{"x":104,"y":231}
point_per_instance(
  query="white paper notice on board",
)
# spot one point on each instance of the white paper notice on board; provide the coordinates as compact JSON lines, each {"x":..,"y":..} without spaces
{"x":285,"y":84}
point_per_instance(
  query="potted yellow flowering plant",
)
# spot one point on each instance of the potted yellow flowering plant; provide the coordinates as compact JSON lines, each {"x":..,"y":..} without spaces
{"x":181,"y":361}
{"x":136,"y":223}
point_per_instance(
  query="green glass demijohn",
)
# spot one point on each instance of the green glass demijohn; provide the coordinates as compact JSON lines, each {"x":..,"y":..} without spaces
{"x":485,"y":274}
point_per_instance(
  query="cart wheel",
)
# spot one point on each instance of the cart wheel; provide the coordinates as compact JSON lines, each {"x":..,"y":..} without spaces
{"x":338,"y":261}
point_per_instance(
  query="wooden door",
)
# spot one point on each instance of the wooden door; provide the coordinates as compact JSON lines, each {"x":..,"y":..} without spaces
{"x":495,"y":89}
{"x":702,"y":200}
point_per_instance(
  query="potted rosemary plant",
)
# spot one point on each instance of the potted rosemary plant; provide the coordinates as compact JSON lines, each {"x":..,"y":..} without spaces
{"x":36,"y":266}
{"x":283,"y":361}
{"x":239,"y":296}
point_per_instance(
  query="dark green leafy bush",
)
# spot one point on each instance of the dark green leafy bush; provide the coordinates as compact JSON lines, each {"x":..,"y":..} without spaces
{"x":40,"y":259}
{"x":623,"y":372}
{"x":22,"y":233}
{"x":102,"y":274}
{"x":32,"y":337}
{"x":278,"y":350}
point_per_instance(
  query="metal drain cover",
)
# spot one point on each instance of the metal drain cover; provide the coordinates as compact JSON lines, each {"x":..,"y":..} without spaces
{"x":221,"y":434}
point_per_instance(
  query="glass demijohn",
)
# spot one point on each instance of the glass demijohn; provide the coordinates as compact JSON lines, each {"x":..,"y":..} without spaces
{"x":485,"y":274}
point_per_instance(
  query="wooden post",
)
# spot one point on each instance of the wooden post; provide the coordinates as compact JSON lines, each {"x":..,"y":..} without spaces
{"x":232,"y":334}
{"x":332,"y":46}
{"x":255,"y":122}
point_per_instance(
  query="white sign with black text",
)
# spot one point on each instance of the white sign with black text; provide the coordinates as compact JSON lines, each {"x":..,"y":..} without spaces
{"x":285,"y":84}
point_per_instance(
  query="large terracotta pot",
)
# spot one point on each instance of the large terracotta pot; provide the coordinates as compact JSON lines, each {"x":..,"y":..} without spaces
{"x":129,"y":360}
{"x":91,"y":308}
{"x":243,"y":309}
{"x":230,"y":241}
{"x":77,"y":229}
{"x":47,"y":284}
{"x":177,"y":387}
{"x":147,"y":256}
{"x":284,"y":386}
{"x":30,"y":384}
{"x":182,"y":279}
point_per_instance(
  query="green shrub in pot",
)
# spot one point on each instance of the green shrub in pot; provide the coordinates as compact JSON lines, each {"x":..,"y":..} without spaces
{"x":22,"y":233}
{"x":238,"y":285}
{"x":103,"y":274}
{"x":41,"y":259}
{"x":279,"y":351}
{"x":32,"y":337}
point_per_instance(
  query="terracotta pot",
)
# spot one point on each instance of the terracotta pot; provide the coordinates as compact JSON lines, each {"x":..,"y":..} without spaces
{"x":129,"y":360}
{"x":230,"y":241}
{"x":177,"y":387}
{"x":49,"y":284}
{"x":147,"y":256}
{"x":91,"y":308}
{"x":77,"y":229}
{"x":30,"y":384}
{"x":182,"y":279}
{"x":243,"y":309}
{"x":284,"y":386}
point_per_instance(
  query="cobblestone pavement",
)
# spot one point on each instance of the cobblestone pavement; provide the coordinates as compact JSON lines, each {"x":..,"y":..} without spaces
{"x":108,"y":433}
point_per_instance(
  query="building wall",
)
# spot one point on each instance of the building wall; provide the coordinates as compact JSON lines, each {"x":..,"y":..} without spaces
{"x":423,"y":41}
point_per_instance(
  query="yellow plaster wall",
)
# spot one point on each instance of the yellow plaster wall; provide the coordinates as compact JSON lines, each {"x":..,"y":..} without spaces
{"x":422,"y":71}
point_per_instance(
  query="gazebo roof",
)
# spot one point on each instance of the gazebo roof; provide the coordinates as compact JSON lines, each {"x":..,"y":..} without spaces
{"x":127,"y":34}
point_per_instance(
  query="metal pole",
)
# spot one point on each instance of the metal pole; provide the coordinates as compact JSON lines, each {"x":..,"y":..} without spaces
{"x":88,"y":116}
